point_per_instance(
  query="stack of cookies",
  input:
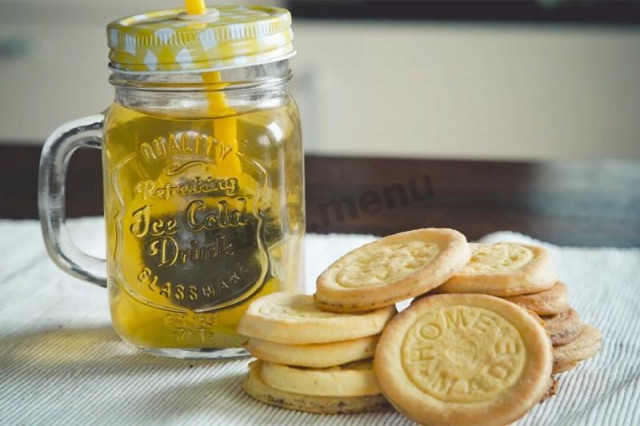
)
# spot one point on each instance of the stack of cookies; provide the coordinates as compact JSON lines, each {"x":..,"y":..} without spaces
{"x":488,"y":326}
{"x":312,"y":360}
{"x":524,"y":274}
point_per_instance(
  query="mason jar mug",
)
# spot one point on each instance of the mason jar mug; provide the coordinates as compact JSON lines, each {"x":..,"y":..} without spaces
{"x":202,"y":173}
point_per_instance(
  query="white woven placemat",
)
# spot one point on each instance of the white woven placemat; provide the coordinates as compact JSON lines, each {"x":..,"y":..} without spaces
{"x":61,"y":363}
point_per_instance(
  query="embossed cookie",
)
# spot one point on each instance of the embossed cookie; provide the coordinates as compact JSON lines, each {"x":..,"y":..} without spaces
{"x":319,"y":355}
{"x":547,"y":302}
{"x":586,"y":346}
{"x":392,"y":269}
{"x":294,"y":319}
{"x":563,"y":368}
{"x":258,"y":389}
{"x":563,"y":328}
{"x":503,"y":269}
{"x":354,"y":379}
{"x":463,"y":359}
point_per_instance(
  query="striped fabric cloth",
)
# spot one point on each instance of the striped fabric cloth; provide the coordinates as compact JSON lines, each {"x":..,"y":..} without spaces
{"x":61,"y":362}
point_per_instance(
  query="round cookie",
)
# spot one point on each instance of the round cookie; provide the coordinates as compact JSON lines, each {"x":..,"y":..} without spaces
{"x":295,"y":319}
{"x":503,"y":269}
{"x":564,"y":327}
{"x":319,"y":355}
{"x":354,"y":379}
{"x":586,"y":346}
{"x":547,"y":302}
{"x":256,"y":388}
{"x":563,"y":368}
{"x":392,"y":269}
{"x":552,"y":390}
{"x":464,"y":359}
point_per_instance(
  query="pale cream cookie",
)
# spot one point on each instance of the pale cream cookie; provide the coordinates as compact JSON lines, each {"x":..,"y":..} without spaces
{"x":547,"y":302}
{"x":294,"y":319}
{"x":392,"y":269}
{"x":503,"y":269}
{"x":353,"y":379}
{"x":258,"y":389}
{"x":586,"y":346}
{"x":464,"y":359}
{"x":319,"y":355}
{"x":563,"y":328}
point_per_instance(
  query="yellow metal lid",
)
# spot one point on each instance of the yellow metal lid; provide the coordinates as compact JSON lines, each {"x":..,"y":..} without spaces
{"x":225,"y":37}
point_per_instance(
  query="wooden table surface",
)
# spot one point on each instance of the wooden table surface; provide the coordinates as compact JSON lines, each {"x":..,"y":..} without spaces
{"x":577,"y":203}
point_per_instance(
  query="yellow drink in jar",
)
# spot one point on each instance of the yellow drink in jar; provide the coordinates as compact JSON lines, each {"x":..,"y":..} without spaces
{"x":201,"y":227}
{"x":203,"y":176}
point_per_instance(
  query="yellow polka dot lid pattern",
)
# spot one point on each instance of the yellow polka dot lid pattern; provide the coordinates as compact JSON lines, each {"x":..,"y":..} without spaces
{"x":225,"y":37}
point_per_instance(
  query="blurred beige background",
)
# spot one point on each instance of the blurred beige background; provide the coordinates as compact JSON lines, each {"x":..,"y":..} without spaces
{"x":454,"y":90}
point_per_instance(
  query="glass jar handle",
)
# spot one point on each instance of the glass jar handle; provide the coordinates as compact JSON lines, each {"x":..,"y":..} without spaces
{"x":56,"y":153}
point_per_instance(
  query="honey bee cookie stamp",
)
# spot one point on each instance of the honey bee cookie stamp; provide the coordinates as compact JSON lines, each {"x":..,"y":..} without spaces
{"x":503,"y":269}
{"x":392,"y":269}
{"x":464,"y":359}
